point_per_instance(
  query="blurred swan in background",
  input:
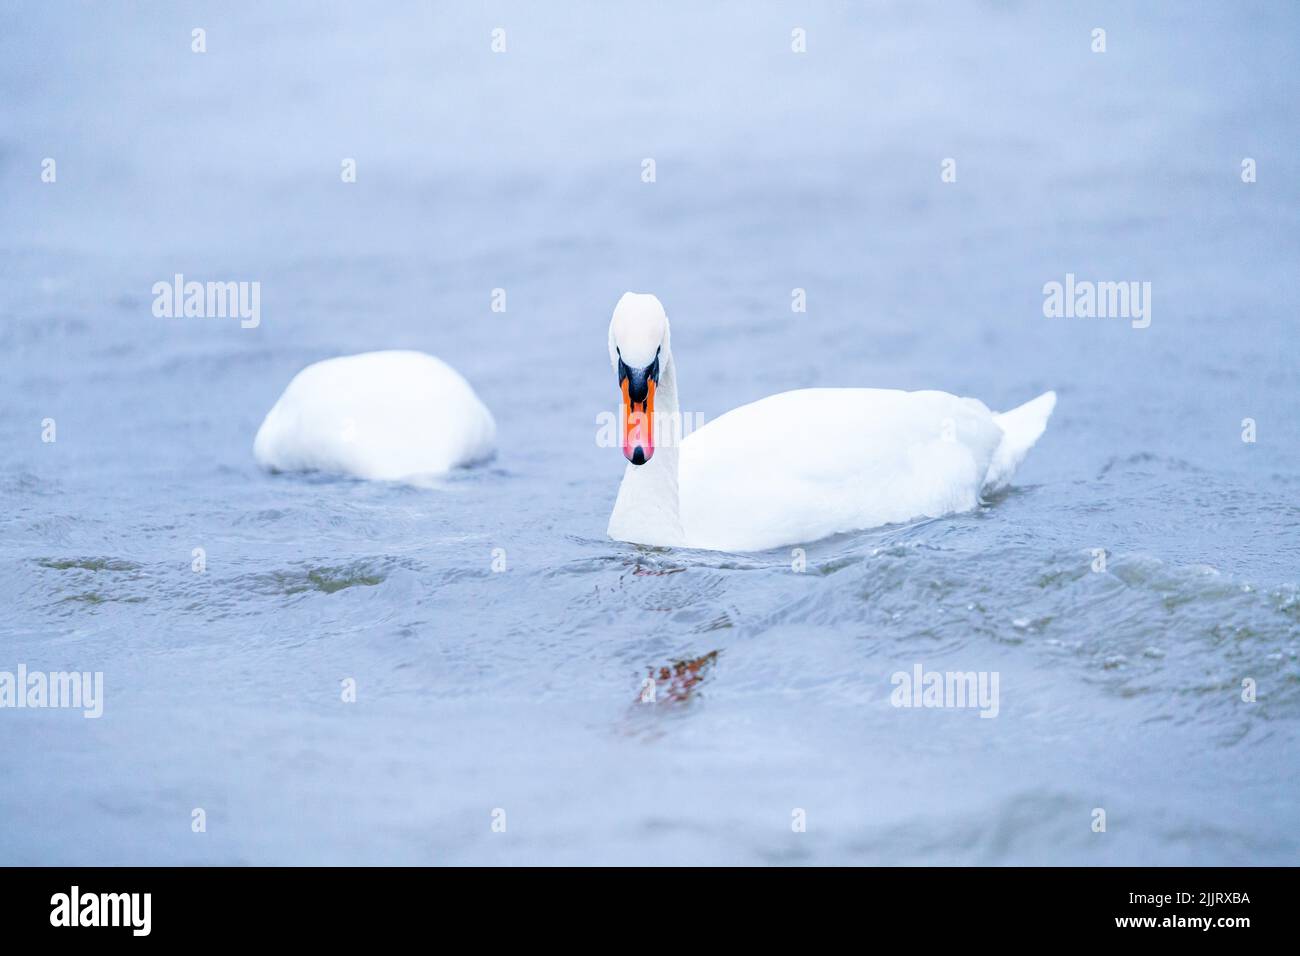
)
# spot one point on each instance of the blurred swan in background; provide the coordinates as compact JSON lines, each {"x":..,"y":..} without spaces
{"x":796,"y":466}
{"x":390,"y":416}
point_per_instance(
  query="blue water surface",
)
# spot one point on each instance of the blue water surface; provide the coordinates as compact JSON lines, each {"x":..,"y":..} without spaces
{"x":485,"y":696}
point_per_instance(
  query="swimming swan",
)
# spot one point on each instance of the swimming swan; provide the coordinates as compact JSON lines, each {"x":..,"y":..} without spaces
{"x":384,"y":416}
{"x":800,"y":465}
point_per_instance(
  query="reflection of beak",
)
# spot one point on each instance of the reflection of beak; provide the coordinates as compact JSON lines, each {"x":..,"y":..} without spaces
{"x":638,"y":387}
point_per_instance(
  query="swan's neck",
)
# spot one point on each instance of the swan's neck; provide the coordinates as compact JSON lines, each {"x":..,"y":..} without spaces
{"x":646,"y":511}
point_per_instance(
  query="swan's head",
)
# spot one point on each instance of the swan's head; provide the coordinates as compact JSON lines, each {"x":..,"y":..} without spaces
{"x":638,"y":343}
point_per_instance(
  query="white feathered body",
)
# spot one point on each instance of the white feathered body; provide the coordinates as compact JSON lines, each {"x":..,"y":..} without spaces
{"x":389,"y":415}
{"x":798,"y":466}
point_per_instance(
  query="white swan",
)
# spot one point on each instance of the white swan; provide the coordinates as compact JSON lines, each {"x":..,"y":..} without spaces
{"x":797,"y":466}
{"x":378,"y":415}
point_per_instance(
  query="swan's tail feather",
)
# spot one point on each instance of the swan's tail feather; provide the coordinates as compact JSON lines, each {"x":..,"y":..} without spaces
{"x":1021,"y":427}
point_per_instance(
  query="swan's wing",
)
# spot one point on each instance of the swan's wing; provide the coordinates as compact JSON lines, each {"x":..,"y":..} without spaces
{"x":801,"y":465}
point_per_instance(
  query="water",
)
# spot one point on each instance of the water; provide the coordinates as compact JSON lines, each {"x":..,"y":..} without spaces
{"x":477,"y":691}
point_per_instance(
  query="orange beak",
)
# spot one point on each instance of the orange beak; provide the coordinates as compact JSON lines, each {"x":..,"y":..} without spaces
{"x":638,"y":424}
